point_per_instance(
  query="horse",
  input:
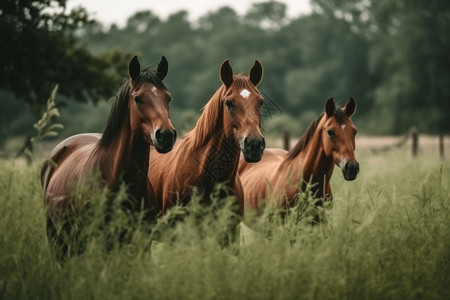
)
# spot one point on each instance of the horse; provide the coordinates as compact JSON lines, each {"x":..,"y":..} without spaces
{"x":209,"y":154}
{"x":139,"y":117}
{"x":328,"y":141}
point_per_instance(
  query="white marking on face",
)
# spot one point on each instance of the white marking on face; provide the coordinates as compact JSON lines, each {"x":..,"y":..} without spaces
{"x":343,"y":163}
{"x":343,"y":126}
{"x":155,"y":91}
{"x":245,"y":93}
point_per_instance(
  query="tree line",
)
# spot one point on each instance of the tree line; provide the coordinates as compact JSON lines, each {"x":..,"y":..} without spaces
{"x":391,"y":56}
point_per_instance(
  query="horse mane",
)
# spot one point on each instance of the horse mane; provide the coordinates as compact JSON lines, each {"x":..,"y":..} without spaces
{"x":301,"y":144}
{"x":338,"y":114}
{"x":119,"y":106}
{"x":212,"y":112}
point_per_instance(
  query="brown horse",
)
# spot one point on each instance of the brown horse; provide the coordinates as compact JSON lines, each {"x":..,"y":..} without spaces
{"x":209,"y":154}
{"x":329,"y":140}
{"x":139,"y":117}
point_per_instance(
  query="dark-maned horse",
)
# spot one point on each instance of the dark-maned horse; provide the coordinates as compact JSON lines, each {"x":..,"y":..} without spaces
{"x":139,"y":117}
{"x":209,"y":154}
{"x":329,"y":141}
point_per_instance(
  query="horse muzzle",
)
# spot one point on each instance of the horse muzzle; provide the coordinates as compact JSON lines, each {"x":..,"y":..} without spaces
{"x":253,"y":148}
{"x":164,"y":139}
{"x":350,"y":170}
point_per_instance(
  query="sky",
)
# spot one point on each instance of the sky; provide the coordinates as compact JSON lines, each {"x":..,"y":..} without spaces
{"x":108,"y":12}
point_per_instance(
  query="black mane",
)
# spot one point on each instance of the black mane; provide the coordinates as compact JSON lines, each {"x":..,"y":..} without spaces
{"x":119,"y":107}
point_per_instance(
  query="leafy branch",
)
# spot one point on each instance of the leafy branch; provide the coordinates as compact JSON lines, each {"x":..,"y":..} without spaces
{"x":47,"y":126}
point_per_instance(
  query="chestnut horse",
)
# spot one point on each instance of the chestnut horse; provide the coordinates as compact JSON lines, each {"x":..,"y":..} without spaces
{"x":209,"y":154}
{"x":329,"y":141}
{"x":139,"y":117}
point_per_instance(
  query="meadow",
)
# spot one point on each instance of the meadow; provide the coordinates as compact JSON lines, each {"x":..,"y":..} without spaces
{"x":386,"y":236}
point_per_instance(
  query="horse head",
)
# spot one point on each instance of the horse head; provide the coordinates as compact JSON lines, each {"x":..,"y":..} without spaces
{"x":242,"y":109}
{"x":338,"y":136}
{"x":149,"y":105}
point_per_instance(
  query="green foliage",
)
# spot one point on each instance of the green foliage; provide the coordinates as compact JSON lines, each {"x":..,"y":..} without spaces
{"x":391,"y":56}
{"x":39,"y":49}
{"x":407,"y":54}
{"x":46,"y":126}
{"x":369,"y":50}
{"x":386,"y":237}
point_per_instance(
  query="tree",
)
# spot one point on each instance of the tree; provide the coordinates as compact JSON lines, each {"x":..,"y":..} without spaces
{"x":39,"y":49}
{"x":268,"y":15}
{"x":409,"y":46}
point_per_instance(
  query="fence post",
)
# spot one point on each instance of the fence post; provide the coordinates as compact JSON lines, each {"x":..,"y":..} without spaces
{"x":415,"y":142}
{"x":441,"y":146}
{"x":286,"y":140}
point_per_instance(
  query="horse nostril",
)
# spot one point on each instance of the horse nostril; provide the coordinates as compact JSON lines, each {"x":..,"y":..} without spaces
{"x":352,"y":167}
{"x":158,"y":136}
{"x":164,"y":137}
{"x":254,"y":144}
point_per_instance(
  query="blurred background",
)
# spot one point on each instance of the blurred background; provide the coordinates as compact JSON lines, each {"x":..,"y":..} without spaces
{"x":393,"y":57}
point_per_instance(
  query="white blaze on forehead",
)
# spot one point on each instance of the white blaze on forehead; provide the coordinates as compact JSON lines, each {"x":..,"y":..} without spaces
{"x":155,"y":91}
{"x":343,"y":126}
{"x":245,"y":93}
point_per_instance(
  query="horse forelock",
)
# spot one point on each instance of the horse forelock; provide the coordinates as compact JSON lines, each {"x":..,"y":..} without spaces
{"x":340,"y":116}
{"x":241,"y":82}
{"x":148,"y":75}
{"x":119,"y":106}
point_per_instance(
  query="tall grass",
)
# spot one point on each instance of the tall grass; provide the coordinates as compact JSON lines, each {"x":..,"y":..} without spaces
{"x":386,"y":236}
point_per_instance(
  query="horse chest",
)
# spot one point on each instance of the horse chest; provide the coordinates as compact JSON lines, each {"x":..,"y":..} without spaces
{"x":220,"y":165}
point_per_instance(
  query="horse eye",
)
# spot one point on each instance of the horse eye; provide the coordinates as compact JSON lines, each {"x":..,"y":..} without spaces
{"x":170,"y":99}
{"x":331,"y":133}
{"x":229,"y":104}
{"x":356,"y":131}
{"x":261,"y":103}
{"x":138,"y":99}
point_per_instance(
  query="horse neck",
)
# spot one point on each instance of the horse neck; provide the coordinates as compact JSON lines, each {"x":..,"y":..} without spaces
{"x":223,"y":153}
{"x":125,"y":159}
{"x":218,"y":158}
{"x":312,"y":164}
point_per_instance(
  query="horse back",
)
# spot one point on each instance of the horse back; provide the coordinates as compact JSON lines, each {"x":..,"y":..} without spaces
{"x":60,"y":154}
{"x":257,"y":177}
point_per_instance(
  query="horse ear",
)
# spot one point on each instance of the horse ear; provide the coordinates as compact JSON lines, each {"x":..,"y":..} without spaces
{"x":330,"y":107}
{"x":350,"y":107}
{"x":163,"y":68}
{"x":256,"y":73}
{"x":226,"y":73}
{"x":134,"y":69}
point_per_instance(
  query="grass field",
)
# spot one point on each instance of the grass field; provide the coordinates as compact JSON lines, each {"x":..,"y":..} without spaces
{"x":387,"y":236}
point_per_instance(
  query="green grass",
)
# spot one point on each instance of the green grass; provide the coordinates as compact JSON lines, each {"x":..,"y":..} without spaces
{"x":387,"y":236}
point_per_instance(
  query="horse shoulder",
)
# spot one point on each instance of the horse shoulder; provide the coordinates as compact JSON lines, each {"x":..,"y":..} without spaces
{"x":166,"y":175}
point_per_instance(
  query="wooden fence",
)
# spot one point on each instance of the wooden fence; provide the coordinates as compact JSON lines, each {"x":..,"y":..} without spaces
{"x":418,"y":144}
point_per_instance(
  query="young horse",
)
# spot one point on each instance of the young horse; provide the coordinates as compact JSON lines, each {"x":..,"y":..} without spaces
{"x":329,"y":140}
{"x":139,"y":117}
{"x":209,"y":154}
